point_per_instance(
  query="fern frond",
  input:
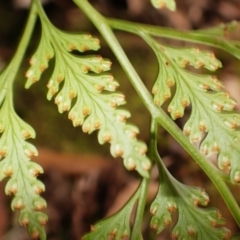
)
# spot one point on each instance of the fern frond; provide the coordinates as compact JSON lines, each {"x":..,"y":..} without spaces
{"x":96,"y":99}
{"x":116,"y":227}
{"x":212,"y":120}
{"x":15,"y":155}
{"x":195,"y":220}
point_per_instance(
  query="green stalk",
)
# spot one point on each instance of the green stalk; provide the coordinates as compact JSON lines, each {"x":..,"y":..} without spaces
{"x":141,"y":203}
{"x":136,"y":232}
{"x":144,"y":186}
{"x":157,"y":113}
{"x":187,"y":36}
{"x":41,"y":13}
{"x":10,"y":72}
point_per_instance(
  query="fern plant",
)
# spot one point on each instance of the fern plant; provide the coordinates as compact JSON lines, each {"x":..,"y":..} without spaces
{"x":89,"y":94}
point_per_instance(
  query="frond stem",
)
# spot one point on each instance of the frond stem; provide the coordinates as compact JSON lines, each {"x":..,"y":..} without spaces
{"x":201,"y":37}
{"x":11,"y":71}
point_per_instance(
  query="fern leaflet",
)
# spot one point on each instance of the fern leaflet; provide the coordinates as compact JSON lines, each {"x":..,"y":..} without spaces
{"x":97,"y":102}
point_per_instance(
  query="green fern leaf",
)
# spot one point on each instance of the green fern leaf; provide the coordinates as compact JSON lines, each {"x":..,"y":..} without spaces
{"x":212,"y":117}
{"x":96,"y":99}
{"x":194,"y":57}
{"x":40,"y":59}
{"x":15,"y":154}
{"x":116,"y":227}
{"x":79,"y":42}
{"x":193,"y":222}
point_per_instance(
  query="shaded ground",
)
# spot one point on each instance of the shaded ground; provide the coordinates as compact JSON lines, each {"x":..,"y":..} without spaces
{"x":83,"y":186}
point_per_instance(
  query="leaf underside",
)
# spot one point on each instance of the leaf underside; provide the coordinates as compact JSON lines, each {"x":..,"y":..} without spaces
{"x":213,"y":122}
{"x":194,"y":220}
{"x":16,"y":165}
{"x":96,"y":101}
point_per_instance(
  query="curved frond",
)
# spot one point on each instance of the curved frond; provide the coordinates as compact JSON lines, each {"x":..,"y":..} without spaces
{"x":15,"y":164}
{"x":96,"y":103}
{"x":194,"y":219}
{"x":116,"y":227}
{"x":212,"y":121}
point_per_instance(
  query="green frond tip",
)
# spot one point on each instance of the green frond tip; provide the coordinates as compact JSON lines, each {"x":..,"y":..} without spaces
{"x":170,"y":4}
{"x":46,"y":50}
{"x":116,"y":227}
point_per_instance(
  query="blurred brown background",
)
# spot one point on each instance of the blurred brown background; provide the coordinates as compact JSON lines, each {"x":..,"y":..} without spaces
{"x":83,"y":182}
